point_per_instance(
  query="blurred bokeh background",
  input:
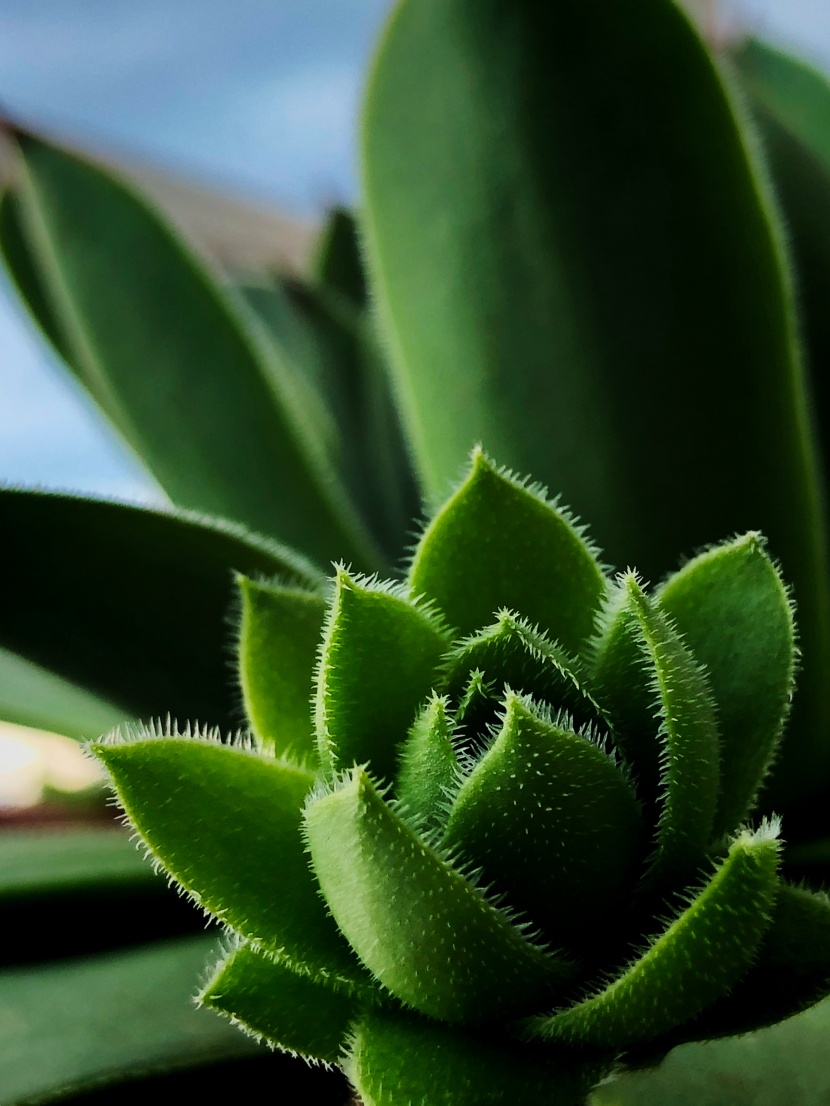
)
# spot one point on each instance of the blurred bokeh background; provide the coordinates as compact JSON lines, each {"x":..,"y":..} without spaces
{"x":251,"y":99}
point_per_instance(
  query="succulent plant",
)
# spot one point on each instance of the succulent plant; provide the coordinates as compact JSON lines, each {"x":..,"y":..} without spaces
{"x":506,"y":852}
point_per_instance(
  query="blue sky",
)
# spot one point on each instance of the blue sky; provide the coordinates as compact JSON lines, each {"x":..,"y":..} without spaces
{"x":257,"y":96}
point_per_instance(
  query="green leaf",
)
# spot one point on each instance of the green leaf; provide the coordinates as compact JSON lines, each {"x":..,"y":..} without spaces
{"x":22,"y":267}
{"x":37,"y":862}
{"x":787,"y":1063}
{"x":31,"y":696}
{"x":225,"y":823}
{"x":75,"y":1025}
{"x":266,"y":996}
{"x":336,"y":356}
{"x":510,"y":653}
{"x":466,"y":559}
{"x":378,"y":663}
{"x":590,"y":258}
{"x":279,"y":635}
{"x":151,"y":587}
{"x":553,"y":823}
{"x":150,"y":334}
{"x":337,"y":264}
{"x":399,"y":1058}
{"x":664,"y":721}
{"x":732,"y":610}
{"x":695,"y":961}
{"x":426,"y":933}
{"x":429,"y":770}
{"x":790,"y":102}
{"x":790,"y":973}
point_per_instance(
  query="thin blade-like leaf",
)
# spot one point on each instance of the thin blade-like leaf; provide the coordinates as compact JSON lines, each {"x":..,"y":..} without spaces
{"x":152,"y":336}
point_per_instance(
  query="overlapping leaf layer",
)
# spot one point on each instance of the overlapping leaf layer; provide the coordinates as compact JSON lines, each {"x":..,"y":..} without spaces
{"x":511,"y":830}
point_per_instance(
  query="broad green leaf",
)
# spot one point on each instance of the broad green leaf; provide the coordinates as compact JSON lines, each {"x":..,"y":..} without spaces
{"x":511,"y":653}
{"x":149,"y":588}
{"x":429,"y":770}
{"x":399,"y":1058}
{"x":552,"y":822}
{"x":694,"y":962}
{"x":466,"y":561}
{"x":590,"y":258}
{"x":279,"y":634}
{"x":377,"y":665}
{"x":31,"y":696}
{"x":790,"y":974}
{"x":226,"y":824}
{"x":642,"y":662}
{"x":423,"y":930}
{"x":784,"y":1064}
{"x":338,"y":265}
{"x":733,"y":612}
{"x":337,"y":358}
{"x":295,"y":1012}
{"x":43,"y":862}
{"x":78,"y":1024}
{"x":151,"y":335}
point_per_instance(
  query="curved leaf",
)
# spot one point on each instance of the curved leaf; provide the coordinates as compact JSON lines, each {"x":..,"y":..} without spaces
{"x":225,"y":823}
{"x":553,"y":823}
{"x":294,"y":1012}
{"x":429,"y":769}
{"x":424,"y":931}
{"x":151,"y":336}
{"x":695,"y":961}
{"x":731,"y":608}
{"x":87,"y":582}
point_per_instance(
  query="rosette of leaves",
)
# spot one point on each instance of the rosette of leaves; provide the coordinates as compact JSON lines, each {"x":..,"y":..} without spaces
{"x":506,"y":852}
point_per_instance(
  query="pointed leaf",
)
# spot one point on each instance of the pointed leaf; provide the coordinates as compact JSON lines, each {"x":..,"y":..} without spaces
{"x":510,"y":653}
{"x":429,"y":768}
{"x":790,"y":974}
{"x":297,"y":1013}
{"x":151,"y":586}
{"x":695,"y":961}
{"x":156,"y":336}
{"x":279,"y":635}
{"x":466,"y":560}
{"x":338,"y":265}
{"x":552,"y":821}
{"x":732,"y":610}
{"x":225,"y":823}
{"x":378,"y":663}
{"x":426,"y":933}
{"x":640,"y":656}
{"x":65,"y":1028}
{"x":402,"y":1058}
